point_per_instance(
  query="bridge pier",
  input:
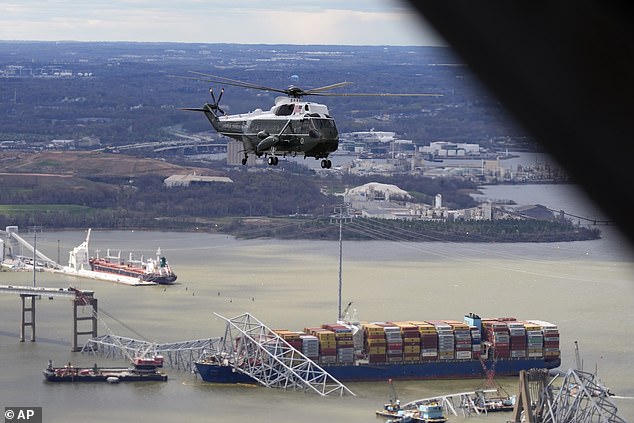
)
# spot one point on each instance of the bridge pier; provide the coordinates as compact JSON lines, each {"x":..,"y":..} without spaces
{"x":26,"y":309}
{"x":28,"y":295}
{"x":84,"y":301}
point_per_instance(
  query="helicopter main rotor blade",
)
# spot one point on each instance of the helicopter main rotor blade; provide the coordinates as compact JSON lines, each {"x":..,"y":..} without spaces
{"x":378,"y":95}
{"x":191,"y":109}
{"x":228,"y":81}
{"x":297,"y":92}
{"x":195,"y":78}
{"x":327,"y":87}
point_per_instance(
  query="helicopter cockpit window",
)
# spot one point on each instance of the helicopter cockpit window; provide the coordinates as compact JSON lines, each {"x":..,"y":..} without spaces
{"x":285,"y":110}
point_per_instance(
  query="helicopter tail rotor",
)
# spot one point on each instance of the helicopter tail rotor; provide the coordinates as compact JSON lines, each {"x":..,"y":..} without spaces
{"x":215,"y":105}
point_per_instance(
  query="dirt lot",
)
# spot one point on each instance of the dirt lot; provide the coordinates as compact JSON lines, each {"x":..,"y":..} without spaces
{"x":84,"y":163}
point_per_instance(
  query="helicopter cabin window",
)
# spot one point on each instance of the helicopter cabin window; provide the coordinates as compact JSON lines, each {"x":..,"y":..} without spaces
{"x":300,"y":127}
{"x":284,"y":110}
{"x":266,"y":126}
{"x":233,"y":126}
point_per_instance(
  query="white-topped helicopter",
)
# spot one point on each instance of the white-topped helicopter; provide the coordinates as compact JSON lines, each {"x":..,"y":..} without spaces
{"x":292,"y":126}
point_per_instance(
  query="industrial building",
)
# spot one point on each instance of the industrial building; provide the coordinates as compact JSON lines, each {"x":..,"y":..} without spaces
{"x":193,"y":179}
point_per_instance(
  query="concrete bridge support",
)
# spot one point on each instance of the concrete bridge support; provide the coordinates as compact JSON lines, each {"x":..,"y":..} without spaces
{"x":26,"y":311}
{"x":79,"y":299}
{"x":84,"y":301}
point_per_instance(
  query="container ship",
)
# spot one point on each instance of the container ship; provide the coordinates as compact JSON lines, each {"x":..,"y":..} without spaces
{"x":416,"y":350}
{"x":113,"y":268}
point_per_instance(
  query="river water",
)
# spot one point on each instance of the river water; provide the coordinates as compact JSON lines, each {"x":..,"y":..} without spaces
{"x":586,"y":288}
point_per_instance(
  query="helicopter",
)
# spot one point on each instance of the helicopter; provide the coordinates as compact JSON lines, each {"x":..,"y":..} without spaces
{"x":291,"y":127}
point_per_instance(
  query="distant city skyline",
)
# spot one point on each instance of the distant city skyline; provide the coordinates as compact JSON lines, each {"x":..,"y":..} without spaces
{"x":356,"y":22}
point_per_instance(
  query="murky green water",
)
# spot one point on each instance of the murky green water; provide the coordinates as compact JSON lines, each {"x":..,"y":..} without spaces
{"x":586,"y":288}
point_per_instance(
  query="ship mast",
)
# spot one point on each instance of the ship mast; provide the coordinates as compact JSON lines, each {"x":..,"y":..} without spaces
{"x":342,"y":209}
{"x":340,"y":259}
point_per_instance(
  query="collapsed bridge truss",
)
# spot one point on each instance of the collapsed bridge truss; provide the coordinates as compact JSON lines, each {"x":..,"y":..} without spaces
{"x":178,"y":355}
{"x":255,"y":350}
{"x":579,"y":398}
{"x":249,"y":346}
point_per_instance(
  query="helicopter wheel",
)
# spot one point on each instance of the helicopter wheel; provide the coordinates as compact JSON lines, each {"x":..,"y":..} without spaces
{"x":273,"y":161}
{"x":244,"y":161}
{"x":326,"y":164}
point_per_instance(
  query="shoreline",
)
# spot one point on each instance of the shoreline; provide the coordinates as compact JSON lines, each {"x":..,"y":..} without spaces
{"x":321,"y":229}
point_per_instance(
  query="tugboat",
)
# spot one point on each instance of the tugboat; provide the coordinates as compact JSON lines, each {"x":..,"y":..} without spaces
{"x":140,"y":370}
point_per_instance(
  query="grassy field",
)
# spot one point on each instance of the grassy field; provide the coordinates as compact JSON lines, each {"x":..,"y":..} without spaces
{"x":14,"y":209}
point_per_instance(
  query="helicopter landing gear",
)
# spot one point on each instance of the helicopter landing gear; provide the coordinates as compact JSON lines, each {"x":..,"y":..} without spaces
{"x":326,"y":164}
{"x":273,"y":160}
{"x":244,"y":160}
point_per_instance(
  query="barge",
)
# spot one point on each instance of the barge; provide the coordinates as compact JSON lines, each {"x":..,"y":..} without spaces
{"x":141,"y":370}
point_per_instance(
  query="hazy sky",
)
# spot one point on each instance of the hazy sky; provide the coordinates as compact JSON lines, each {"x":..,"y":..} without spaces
{"x":355,"y":22}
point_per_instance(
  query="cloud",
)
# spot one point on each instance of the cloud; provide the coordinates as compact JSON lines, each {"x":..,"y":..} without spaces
{"x":370,"y":22}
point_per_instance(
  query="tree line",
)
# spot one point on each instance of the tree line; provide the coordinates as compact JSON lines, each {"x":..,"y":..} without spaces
{"x":145,"y":201}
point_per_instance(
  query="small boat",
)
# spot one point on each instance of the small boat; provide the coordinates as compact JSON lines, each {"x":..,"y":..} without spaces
{"x":425,"y":413}
{"x":140,"y":370}
{"x":484,"y":403}
{"x":428,"y":412}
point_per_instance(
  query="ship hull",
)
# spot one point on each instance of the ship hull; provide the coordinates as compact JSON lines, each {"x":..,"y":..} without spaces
{"x":469,"y":369}
{"x":161,"y":280}
{"x":456,"y":369}
{"x":131,"y":272}
{"x":109,"y":277}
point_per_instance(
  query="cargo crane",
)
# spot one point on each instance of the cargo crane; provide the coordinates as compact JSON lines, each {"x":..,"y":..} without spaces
{"x":489,"y":372}
{"x":393,"y":403}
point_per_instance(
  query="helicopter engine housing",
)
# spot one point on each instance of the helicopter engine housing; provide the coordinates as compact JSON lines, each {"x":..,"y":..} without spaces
{"x":267,"y":143}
